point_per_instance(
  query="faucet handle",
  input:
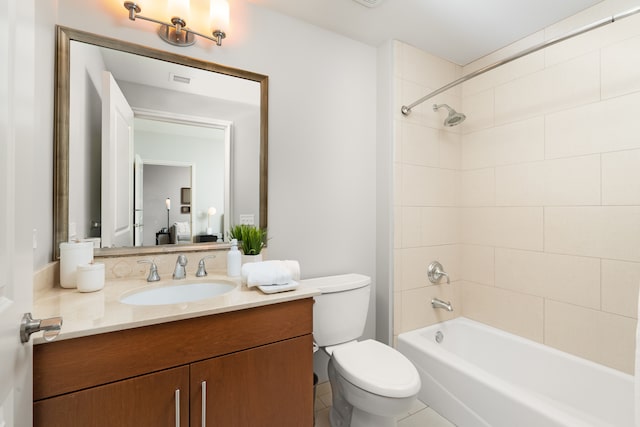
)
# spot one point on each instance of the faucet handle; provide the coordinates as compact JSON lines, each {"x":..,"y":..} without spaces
{"x":180,"y":272}
{"x":153,"y":270}
{"x":202,"y":271}
{"x":435,"y":271}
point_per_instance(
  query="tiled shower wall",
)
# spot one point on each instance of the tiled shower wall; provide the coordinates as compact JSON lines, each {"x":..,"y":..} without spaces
{"x":426,"y":189}
{"x":538,"y":218}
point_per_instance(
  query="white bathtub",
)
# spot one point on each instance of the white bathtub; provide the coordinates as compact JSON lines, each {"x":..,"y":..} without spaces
{"x":482,"y":376}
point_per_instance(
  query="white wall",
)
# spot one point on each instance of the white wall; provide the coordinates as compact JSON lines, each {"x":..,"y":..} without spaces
{"x":322,"y":128}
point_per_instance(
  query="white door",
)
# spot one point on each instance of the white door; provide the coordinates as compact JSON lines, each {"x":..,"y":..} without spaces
{"x":138,"y":202}
{"x":17,"y":111}
{"x":117,"y":166}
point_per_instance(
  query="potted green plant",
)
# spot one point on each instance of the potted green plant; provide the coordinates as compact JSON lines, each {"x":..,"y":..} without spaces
{"x":251,"y":240}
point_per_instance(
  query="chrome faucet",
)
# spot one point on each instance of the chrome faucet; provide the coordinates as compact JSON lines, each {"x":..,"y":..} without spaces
{"x":180,"y":272}
{"x":153,"y":270}
{"x":202,"y":271}
{"x":438,"y":303}
{"x":435,"y":271}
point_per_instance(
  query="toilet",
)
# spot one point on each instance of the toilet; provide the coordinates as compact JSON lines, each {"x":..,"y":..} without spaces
{"x":371,"y":383}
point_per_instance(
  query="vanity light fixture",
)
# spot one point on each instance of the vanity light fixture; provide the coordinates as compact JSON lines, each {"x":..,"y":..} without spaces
{"x":176,"y":31}
{"x":167,"y":203}
{"x":212,"y":211}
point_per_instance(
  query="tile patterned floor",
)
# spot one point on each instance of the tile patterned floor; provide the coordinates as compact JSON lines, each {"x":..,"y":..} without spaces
{"x":418,"y":416}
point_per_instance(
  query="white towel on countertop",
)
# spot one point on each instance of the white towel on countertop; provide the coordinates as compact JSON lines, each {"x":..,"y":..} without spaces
{"x":272,"y":272}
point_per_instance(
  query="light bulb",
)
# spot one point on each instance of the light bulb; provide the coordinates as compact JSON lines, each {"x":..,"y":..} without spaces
{"x":219,"y":15}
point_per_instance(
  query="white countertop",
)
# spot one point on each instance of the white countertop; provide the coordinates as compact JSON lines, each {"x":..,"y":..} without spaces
{"x":98,"y":312}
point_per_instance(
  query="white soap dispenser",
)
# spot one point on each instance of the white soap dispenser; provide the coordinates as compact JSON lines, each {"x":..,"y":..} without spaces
{"x":234,"y":262}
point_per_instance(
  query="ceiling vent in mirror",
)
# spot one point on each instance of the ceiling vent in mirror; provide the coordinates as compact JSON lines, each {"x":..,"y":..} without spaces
{"x":369,"y":3}
{"x":179,"y":79}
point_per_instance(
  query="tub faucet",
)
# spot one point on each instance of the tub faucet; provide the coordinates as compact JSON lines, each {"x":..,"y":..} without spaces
{"x":435,"y":272}
{"x":438,"y":303}
{"x":180,"y":272}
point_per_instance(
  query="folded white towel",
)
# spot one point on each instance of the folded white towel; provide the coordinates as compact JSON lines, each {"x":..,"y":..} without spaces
{"x":267,"y":273}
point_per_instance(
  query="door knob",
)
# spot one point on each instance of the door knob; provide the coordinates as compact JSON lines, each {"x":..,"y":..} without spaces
{"x":29,"y":325}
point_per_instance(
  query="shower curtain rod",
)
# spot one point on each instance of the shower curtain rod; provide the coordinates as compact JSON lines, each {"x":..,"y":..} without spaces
{"x":406,"y":109}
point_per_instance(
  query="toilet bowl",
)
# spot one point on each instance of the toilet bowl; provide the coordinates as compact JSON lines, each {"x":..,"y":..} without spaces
{"x":371,"y":383}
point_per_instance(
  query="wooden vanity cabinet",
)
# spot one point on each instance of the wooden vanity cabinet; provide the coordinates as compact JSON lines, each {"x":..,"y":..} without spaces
{"x":251,"y":367}
{"x":147,"y":400}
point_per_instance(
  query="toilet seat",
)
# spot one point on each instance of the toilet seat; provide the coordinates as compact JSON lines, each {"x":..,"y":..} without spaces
{"x":377,"y":368}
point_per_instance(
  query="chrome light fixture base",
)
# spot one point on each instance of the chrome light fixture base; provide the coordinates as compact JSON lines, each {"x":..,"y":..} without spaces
{"x":176,"y":31}
{"x":176,"y":34}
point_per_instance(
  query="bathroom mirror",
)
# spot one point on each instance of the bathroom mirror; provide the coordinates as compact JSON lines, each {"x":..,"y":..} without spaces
{"x":198,"y":129}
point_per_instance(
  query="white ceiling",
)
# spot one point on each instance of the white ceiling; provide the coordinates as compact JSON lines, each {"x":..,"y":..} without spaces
{"x":457,"y":30}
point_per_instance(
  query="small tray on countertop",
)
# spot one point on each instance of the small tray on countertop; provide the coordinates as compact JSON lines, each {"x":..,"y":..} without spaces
{"x":272,"y":289}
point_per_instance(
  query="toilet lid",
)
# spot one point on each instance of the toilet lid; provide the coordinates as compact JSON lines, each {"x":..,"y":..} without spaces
{"x":377,"y":368}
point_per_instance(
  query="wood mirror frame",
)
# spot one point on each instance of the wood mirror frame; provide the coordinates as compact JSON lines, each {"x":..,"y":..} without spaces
{"x":64,"y":36}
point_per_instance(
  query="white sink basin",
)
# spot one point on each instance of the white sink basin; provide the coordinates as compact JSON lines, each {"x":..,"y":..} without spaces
{"x":176,"y":294}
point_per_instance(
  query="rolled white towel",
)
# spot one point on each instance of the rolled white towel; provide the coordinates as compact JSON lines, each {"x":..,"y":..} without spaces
{"x":270,"y":273}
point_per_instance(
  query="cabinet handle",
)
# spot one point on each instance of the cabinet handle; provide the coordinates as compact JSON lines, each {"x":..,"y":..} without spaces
{"x":203,"y":385}
{"x":177,"y":407}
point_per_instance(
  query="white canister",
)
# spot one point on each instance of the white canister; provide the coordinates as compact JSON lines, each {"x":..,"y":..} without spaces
{"x":90,"y":277}
{"x":73,"y":254}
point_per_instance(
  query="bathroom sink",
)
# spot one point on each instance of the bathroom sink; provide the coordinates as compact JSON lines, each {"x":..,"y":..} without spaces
{"x":174,"y":294}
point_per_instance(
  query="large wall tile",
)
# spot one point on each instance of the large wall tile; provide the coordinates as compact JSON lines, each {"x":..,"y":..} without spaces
{"x":397,"y":227}
{"x":563,"y":182}
{"x":600,"y":127}
{"x":478,"y":264}
{"x":620,"y":281}
{"x":511,"y":311}
{"x":479,"y":111}
{"x":450,"y":149}
{"x":560,"y":277}
{"x":477,"y":187}
{"x":509,"y":227}
{"x":426,"y":69}
{"x":621,"y":67}
{"x":516,"y":142}
{"x":420,"y":145}
{"x":411,"y":228}
{"x":602,"y":337}
{"x":621,"y":178}
{"x":593,"y":40}
{"x":606,"y":232}
{"x":521,"y":67}
{"x":424,"y":186}
{"x":439,"y":226}
{"x":562,"y":86}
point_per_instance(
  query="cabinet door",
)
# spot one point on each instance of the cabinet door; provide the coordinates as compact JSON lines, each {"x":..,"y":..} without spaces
{"x":148,"y":400}
{"x":266,"y":386}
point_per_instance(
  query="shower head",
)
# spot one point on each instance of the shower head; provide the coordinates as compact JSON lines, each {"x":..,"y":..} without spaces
{"x":454,"y":118}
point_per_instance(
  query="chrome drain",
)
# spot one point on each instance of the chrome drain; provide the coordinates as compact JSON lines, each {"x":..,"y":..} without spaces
{"x":439,"y":337}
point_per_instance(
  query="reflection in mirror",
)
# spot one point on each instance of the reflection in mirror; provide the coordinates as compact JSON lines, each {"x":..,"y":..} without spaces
{"x":161,"y":149}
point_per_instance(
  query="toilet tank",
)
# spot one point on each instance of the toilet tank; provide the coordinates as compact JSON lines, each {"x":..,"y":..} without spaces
{"x":340,"y":312}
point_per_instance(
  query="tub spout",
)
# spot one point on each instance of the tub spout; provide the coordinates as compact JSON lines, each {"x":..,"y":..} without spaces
{"x":438,"y":303}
